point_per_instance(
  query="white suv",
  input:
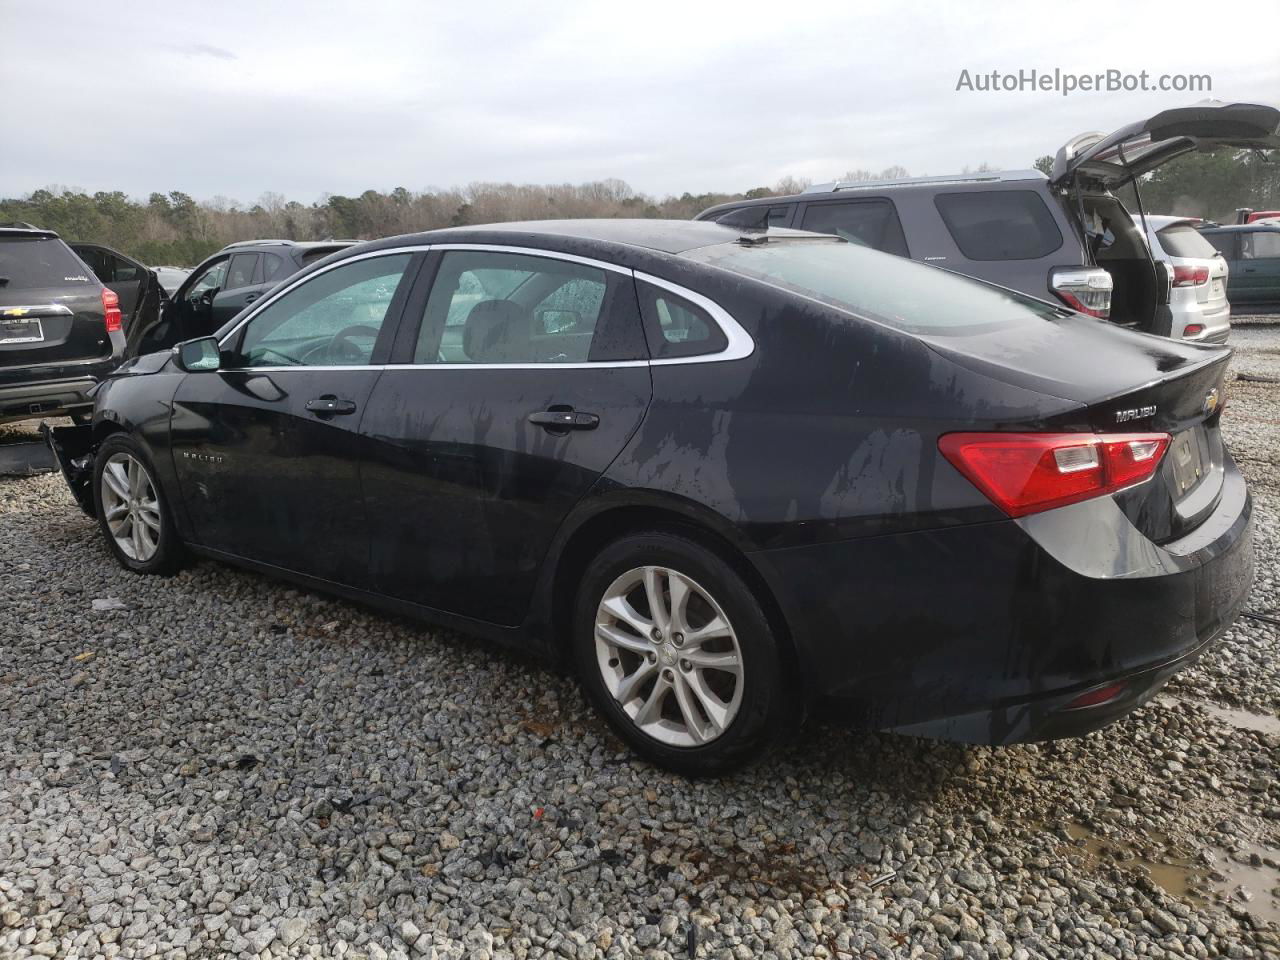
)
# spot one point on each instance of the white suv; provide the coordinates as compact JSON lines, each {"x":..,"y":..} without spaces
{"x":1198,"y":300}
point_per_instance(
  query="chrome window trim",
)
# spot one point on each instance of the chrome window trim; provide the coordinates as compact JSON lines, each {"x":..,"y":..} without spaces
{"x":740,"y":344}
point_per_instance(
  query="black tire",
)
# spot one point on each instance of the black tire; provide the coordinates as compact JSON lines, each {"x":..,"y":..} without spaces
{"x":766,"y":712}
{"x":168,"y":555}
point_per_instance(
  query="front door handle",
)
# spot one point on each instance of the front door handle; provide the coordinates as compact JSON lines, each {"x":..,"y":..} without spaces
{"x":556,"y":420}
{"x":329,"y":406}
{"x":250,"y":297}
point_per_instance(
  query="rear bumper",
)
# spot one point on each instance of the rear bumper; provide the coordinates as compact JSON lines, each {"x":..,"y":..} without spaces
{"x":27,"y":400}
{"x":986,"y":632}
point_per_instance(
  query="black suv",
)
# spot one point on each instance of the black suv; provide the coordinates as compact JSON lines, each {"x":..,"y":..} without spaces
{"x":61,"y":329}
{"x":1062,"y":237}
{"x":224,"y":284}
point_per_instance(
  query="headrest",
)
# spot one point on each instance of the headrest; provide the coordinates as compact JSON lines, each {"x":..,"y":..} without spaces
{"x":496,"y":330}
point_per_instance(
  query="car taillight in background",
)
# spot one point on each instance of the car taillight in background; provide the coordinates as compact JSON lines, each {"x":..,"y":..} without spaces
{"x":111,"y":310}
{"x":1192,"y":330}
{"x":1024,"y":473}
{"x":1190,"y":276}
{"x":1087,"y":289}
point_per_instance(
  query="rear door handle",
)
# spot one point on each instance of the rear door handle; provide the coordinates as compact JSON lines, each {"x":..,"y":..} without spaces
{"x":250,"y":297}
{"x":564,"y":420}
{"x":328,"y":406}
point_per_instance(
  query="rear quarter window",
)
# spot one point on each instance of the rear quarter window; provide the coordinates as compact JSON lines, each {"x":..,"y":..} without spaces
{"x":999,"y":224}
{"x":1182,"y":240}
{"x":30,"y":264}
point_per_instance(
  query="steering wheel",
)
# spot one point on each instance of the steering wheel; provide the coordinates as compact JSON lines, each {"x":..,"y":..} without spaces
{"x":342,"y":349}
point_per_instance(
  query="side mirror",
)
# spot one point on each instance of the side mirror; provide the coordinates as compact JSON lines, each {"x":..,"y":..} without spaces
{"x":198,"y":356}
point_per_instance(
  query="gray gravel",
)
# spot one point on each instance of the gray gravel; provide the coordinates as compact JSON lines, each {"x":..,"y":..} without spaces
{"x":227,"y":766}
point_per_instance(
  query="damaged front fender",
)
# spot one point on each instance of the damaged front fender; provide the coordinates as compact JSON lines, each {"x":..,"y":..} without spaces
{"x":73,"y":448}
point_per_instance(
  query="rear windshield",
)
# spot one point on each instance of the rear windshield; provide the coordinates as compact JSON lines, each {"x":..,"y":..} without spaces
{"x":1183,"y":240}
{"x":901,"y":293}
{"x":29,"y":264}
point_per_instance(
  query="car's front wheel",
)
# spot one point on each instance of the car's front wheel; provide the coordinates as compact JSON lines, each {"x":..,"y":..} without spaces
{"x":677,"y":653}
{"x":131,"y":509}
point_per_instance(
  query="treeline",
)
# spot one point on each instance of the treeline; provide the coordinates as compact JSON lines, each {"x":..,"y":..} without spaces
{"x":173,"y":228}
{"x":176,"y":229}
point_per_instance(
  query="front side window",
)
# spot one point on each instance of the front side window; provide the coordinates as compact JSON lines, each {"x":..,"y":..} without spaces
{"x":999,"y":224}
{"x":1260,"y":246}
{"x":869,"y":223}
{"x":331,"y":319}
{"x":488,"y":307}
{"x":211,"y":279}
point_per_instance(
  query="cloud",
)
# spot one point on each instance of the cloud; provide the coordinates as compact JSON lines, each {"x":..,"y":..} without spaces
{"x":202,"y":50}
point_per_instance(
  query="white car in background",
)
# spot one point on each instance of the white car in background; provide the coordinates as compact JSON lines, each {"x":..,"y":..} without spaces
{"x":1198,"y":299}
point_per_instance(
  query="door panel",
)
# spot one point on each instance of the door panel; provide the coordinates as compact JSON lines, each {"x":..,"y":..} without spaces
{"x":464,"y":493}
{"x":263,"y":477}
{"x":1255,"y":277}
{"x":530,"y":376}
{"x":267,"y":450}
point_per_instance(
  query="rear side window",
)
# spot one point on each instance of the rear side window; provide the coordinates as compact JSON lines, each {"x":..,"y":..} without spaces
{"x":777,"y":215}
{"x":868,"y":223}
{"x":270,"y":264}
{"x":31,"y":264}
{"x":1182,"y":240}
{"x":999,"y":224}
{"x":675,"y":327}
{"x":1259,"y":246}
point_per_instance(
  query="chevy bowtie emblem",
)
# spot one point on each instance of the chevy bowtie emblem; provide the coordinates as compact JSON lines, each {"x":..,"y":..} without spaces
{"x":17,"y":312}
{"x":1210,"y":402}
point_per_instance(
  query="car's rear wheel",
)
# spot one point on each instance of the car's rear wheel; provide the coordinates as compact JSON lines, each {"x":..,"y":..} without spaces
{"x":132,"y":513}
{"x":679,"y":656}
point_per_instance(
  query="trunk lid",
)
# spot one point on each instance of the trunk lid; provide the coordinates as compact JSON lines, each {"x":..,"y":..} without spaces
{"x":51,"y":307}
{"x":1117,"y":158}
{"x":1123,"y":382}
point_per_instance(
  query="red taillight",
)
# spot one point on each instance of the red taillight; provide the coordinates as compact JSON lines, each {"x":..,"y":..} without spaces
{"x":111,"y":310}
{"x":1025,"y":473}
{"x":1192,"y":330}
{"x":1190,"y":276}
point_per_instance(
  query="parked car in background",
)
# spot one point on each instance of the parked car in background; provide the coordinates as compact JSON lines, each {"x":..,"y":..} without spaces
{"x":1198,"y":276}
{"x":171,"y":278}
{"x":227,"y":282}
{"x":1063,"y":237}
{"x":139,"y":288}
{"x":1245,"y":215}
{"x":1252,"y":253}
{"x":61,"y":329}
{"x":658,"y":449}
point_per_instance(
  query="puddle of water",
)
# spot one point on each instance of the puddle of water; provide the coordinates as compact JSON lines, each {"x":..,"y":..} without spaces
{"x":1241,"y":719}
{"x":1181,"y":878}
{"x":1244,"y":719}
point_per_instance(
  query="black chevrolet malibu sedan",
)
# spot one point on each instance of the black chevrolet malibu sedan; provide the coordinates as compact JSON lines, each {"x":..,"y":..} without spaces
{"x":728,"y":475}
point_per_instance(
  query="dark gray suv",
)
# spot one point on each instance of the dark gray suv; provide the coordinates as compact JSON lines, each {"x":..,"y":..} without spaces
{"x":1062,"y":237}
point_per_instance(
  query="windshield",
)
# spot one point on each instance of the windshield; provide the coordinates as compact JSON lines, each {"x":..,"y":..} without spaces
{"x":879,"y":286}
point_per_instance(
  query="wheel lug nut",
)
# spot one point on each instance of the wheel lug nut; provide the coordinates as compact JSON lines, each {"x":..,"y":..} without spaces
{"x":657,"y":635}
{"x":686,"y":666}
{"x":677,"y":639}
{"x":652,"y":657}
{"x":668,"y":675}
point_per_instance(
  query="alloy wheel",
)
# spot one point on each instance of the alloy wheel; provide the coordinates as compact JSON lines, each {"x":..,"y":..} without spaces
{"x":669,"y":656}
{"x":130,"y":507}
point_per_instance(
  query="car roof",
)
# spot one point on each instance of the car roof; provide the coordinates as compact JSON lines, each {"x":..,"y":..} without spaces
{"x":661,"y":236}
{"x":291,"y":244}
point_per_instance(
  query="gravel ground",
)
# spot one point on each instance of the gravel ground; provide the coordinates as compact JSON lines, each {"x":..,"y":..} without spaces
{"x":224,"y":766}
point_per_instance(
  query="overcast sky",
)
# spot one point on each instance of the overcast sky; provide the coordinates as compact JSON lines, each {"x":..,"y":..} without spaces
{"x":303,"y":98}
